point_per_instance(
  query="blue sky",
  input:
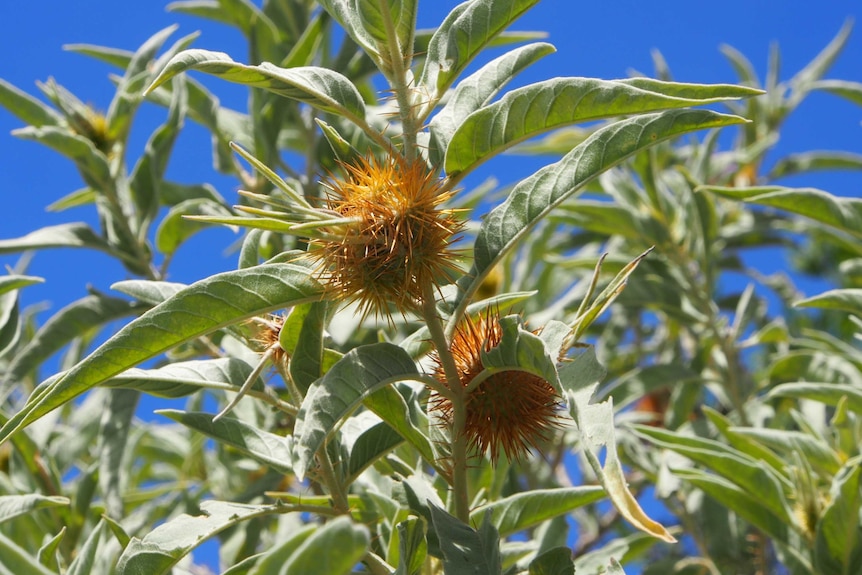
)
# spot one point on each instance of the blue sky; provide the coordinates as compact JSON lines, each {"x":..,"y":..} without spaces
{"x":596,"y":39}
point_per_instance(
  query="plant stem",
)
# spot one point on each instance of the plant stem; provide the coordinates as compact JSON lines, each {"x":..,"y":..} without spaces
{"x":333,"y":485}
{"x":459,"y":414}
{"x":398,"y":81}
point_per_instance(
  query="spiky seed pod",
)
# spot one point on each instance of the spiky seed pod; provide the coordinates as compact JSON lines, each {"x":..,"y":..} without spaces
{"x":509,"y":411}
{"x":396,"y":237}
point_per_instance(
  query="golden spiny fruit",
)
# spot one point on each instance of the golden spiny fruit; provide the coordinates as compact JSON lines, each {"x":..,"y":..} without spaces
{"x":509,"y":411}
{"x":395,"y":239}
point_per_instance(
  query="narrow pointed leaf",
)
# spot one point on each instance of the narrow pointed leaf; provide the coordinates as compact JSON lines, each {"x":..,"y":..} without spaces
{"x":525,"y":510}
{"x":815,"y":161}
{"x":273,"y":450}
{"x":306,"y":362}
{"x":595,"y":421}
{"x":533,"y":198}
{"x":392,"y":408}
{"x":844,"y":214}
{"x":113,"y":56}
{"x":203,"y":307}
{"x":175,"y":228}
{"x":828,"y":393}
{"x":12,"y":506}
{"x":92,"y":163}
{"x":185,"y":377}
{"x":73,"y":235}
{"x":359,"y":373}
{"x":165,"y":545}
{"x":746,"y":472}
{"x":850,"y":90}
{"x":344,"y":12}
{"x":371,"y":445}
{"x":112,"y":447}
{"x":85,"y":560}
{"x":78,"y":319}
{"x":477,"y":90}
{"x":849,"y":300}
{"x":147,"y":291}
{"x":467,"y":29}
{"x":319,"y":87}
{"x":543,"y":106}
{"x":24,"y":562}
{"x":25,"y":107}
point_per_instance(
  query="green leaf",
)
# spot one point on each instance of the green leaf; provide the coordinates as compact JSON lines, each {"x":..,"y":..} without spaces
{"x":639,"y":382}
{"x":403,"y":415}
{"x":543,"y":106}
{"x":477,"y":90}
{"x":358,"y":374}
{"x":10,"y":321}
{"x":203,"y":307}
{"x":344,"y":12}
{"x":149,"y":171}
{"x":850,"y":90}
{"x":844,"y":214}
{"x":148,"y":291}
{"x":73,"y":235}
{"x":373,"y":443}
{"x":595,"y":421}
{"x":91,"y":162}
{"x":319,"y":87}
{"x":529,"y":508}
{"x":814,"y":161}
{"x":524,"y":351}
{"x":86,"y":557}
{"x":747,"y":472}
{"x":838,"y":539}
{"x":164,"y":546}
{"x":113,"y":56}
{"x":316,"y":556}
{"x":183,"y":378}
{"x":849,"y":300}
{"x":828,"y":393}
{"x":747,"y":504}
{"x":533,"y":198}
{"x":81,"y":318}
{"x":112,"y":448}
{"x":82,"y":197}
{"x":556,"y":561}
{"x":816,"y":451}
{"x":272,"y":561}
{"x":467,"y":29}
{"x":306,"y":361}
{"x":25,"y":107}
{"x":273,"y":450}
{"x":381,"y":17}
{"x":25,"y":564}
{"x":12,"y":506}
{"x":465,"y":550}
{"x":412,"y":546}
{"x":175,"y":228}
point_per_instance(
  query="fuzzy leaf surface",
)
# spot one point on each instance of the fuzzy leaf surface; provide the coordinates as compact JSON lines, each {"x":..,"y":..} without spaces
{"x":361,"y":371}
{"x":527,"y":509}
{"x":164,"y":546}
{"x":319,"y":87}
{"x":533,"y":198}
{"x":12,"y":506}
{"x":477,"y":90}
{"x":467,"y":29}
{"x":203,"y":307}
{"x":273,"y":450}
{"x":580,"y":379}
{"x":543,"y":106}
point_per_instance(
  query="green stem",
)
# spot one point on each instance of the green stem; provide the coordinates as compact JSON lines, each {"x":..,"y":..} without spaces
{"x":333,"y":485}
{"x":398,"y":81}
{"x":458,"y":399}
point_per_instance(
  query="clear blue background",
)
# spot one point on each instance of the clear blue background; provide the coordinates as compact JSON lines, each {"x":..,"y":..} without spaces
{"x":599,"y":39}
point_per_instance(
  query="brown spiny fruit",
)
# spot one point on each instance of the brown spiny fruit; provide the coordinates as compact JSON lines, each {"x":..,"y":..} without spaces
{"x":394,"y":240}
{"x":509,"y":411}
